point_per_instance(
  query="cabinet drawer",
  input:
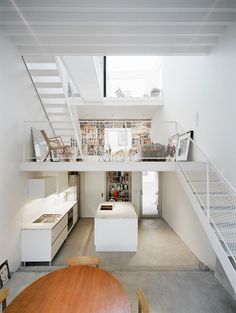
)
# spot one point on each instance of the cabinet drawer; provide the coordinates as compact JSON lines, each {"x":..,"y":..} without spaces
{"x":59,"y":228}
{"x":58,"y":242}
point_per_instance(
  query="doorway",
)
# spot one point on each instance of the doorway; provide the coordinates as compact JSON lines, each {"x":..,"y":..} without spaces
{"x":151,"y":194}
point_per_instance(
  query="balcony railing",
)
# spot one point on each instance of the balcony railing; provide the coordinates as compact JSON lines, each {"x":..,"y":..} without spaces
{"x":101,"y":141}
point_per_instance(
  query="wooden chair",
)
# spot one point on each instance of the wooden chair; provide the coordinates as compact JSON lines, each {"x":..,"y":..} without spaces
{"x":143,"y":306}
{"x":4,"y":293}
{"x":84,"y":260}
{"x":55,"y":144}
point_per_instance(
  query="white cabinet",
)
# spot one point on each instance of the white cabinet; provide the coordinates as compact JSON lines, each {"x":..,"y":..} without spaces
{"x":41,"y":245}
{"x":40,"y":242}
{"x":41,"y":187}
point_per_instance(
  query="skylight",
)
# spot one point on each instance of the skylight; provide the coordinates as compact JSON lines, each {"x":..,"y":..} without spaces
{"x":133,"y":76}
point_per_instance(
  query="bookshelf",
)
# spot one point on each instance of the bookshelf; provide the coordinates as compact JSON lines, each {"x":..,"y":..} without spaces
{"x":93,"y":134}
{"x":118,"y":186}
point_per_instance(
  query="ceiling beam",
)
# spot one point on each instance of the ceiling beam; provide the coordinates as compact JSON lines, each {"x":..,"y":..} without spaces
{"x":77,"y":18}
{"x":115,"y":50}
{"x":112,"y":41}
{"x":118,"y":31}
{"x":130,"y":4}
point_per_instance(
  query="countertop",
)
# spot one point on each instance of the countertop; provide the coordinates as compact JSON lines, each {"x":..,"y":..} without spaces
{"x":62,"y":209}
{"x":120,"y":210}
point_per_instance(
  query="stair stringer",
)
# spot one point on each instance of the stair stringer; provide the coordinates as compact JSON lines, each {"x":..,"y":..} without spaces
{"x":219,"y":251}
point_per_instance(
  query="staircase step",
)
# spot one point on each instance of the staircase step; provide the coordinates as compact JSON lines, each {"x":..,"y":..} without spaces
{"x":54,"y":101}
{"x":60,"y":118}
{"x":66,"y":113}
{"x":56,"y":110}
{"x":55,"y":106}
{"x":50,"y":91}
{"x":42,"y":72}
{"x":48,"y":85}
{"x":52,"y":96}
{"x":42,"y":66}
{"x":62,"y":125}
{"x":46,"y":79}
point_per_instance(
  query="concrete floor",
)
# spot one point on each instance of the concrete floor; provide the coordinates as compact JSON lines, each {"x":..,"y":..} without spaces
{"x":163,"y":267}
{"x":166,"y":291}
{"x":159,"y":248}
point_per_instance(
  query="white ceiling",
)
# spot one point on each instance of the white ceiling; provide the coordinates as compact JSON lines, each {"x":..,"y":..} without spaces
{"x":106,"y":27}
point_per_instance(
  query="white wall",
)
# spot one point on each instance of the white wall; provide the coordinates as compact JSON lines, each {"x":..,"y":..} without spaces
{"x":93,"y":185}
{"x":18,"y":102}
{"x":179,"y":214}
{"x":205,"y":84}
{"x":136,"y":191}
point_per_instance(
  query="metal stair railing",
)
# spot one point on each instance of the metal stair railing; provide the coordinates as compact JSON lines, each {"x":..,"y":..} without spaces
{"x":215,"y":195}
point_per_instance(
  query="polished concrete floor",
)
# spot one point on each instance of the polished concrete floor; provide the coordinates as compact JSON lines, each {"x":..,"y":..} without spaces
{"x":163,"y":267}
{"x":159,"y":248}
{"x":166,"y":291}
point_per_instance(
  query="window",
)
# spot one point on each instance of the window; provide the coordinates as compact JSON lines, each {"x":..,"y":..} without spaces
{"x":133,"y":76}
{"x":118,"y":138}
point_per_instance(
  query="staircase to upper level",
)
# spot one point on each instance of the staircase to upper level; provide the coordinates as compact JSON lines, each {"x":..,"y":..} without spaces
{"x":214,"y":202}
{"x":47,"y":81}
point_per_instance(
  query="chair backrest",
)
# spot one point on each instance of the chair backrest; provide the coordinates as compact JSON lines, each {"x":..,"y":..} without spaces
{"x":3,"y":298}
{"x":45,"y":136}
{"x":143,"y":306}
{"x":84,"y":260}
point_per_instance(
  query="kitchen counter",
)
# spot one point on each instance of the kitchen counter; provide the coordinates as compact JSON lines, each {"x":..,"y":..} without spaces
{"x":116,"y":229}
{"x":120,"y":210}
{"x":62,"y":209}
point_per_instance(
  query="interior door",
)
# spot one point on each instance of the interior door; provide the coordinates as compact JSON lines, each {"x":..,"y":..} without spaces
{"x":150,"y":194}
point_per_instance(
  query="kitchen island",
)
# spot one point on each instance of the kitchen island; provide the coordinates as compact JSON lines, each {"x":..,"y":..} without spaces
{"x":116,"y":227}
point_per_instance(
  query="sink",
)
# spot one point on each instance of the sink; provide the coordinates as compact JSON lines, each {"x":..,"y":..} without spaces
{"x":106,"y":207}
{"x":47,"y":218}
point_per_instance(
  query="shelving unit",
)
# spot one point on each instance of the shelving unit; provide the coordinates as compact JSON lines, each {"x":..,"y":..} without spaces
{"x":119,"y":186}
{"x":141,"y":133}
{"x":92,"y":138}
{"x":93,"y":134}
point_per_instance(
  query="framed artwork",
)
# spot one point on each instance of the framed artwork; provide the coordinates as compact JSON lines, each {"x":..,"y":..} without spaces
{"x":172,"y":148}
{"x":39,"y":144}
{"x":183,"y":146}
{"x":5,"y":274}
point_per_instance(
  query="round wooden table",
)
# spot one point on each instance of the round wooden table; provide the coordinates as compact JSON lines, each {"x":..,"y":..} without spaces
{"x":76,"y":289}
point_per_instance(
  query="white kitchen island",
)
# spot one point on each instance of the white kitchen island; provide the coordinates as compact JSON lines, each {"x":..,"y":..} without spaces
{"x":116,"y":228}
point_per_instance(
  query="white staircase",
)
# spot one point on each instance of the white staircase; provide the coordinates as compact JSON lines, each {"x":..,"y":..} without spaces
{"x":214,"y":202}
{"x":46,"y":78}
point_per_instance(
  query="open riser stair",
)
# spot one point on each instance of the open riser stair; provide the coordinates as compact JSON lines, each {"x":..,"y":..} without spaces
{"x":46,"y":78}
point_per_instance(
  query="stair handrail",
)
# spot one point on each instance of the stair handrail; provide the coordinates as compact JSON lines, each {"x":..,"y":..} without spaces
{"x":76,"y":125}
{"x":222,"y":179}
{"x":38,"y":95}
